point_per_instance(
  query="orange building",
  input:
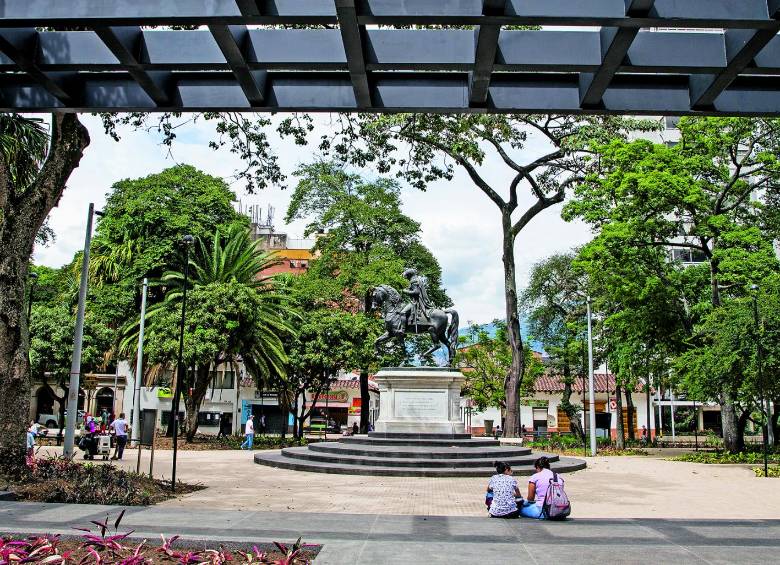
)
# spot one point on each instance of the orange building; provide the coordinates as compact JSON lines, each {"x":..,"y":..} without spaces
{"x":294,"y":255}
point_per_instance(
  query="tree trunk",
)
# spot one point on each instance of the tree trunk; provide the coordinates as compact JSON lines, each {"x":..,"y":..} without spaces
{"x":295,"y":416}
{"x":631,"y":414}
{"x":517,"y":366}
{"x":22,"y":212}
{"x":365,"y":400}
{"x":194,"y":400}
{"x":620,"y":433}
{"x":733,"y":436}
{"x":568,"y":408}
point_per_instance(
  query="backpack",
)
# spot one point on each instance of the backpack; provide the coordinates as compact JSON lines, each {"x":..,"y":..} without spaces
{"x":556,"y":503}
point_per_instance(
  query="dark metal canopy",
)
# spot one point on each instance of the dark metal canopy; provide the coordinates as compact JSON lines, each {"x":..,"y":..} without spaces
{"x":711,"y":56}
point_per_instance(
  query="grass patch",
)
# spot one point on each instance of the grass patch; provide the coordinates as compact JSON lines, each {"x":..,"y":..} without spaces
{"x":725,"y":458}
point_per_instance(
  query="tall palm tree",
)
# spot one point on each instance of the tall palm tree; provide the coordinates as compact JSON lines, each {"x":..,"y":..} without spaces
{"x":232,"y":258}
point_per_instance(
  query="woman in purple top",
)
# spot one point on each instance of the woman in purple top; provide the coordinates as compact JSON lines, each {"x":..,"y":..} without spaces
{"x":533,"y":506}
{"x":504,"y":488}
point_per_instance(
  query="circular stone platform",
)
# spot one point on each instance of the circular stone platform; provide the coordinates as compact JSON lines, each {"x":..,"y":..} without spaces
{"x":411,"y":455}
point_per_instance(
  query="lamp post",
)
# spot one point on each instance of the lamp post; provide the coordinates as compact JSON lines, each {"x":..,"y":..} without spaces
{"x":33,"y":282}
{"x":135,"y":417}
{"x":187,"y":240}
{"x":759,"y":371}
{"x":591,"y":392}
{"x":75,"y":364}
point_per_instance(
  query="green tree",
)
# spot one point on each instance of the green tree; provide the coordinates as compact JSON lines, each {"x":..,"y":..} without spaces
{"x":694,"y":196}
{"x":231,"y":311}
{"x":422,"y":148}
{"x":364,"y":240}
{"x":34,"y":168}
{"x":327,"y":341}
{"x":554,"y":301}
{"x":485,"y":357}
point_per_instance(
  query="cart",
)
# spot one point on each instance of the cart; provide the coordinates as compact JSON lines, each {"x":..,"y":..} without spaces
{"x":104,"y":446}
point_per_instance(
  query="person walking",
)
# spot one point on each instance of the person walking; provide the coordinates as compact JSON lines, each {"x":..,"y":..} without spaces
{"x":120,"y":429}
{"x":249,"y":432}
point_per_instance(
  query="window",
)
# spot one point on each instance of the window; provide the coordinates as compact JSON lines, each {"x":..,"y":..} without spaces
{"x":209,"y":418}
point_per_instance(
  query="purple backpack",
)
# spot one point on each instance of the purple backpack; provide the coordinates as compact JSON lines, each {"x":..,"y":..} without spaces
{"x":556,"y":503}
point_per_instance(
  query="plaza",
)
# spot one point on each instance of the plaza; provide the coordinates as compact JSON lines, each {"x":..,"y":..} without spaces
{"x":525,"y":246}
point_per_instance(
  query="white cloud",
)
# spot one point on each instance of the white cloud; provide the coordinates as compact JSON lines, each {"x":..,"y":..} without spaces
{"x":460,"y":224}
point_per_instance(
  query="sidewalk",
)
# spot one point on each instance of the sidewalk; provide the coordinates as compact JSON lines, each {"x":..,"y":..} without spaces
{"x":380,"y":539}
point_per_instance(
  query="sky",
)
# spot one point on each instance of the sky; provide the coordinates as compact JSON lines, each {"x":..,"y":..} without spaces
{"x":460,"y":225}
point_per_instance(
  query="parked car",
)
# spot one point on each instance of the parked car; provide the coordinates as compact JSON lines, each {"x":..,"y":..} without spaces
{"x":52,"y":421}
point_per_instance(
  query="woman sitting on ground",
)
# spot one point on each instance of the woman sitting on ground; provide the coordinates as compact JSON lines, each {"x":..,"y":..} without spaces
{"x":533,"y":506}
{"x":504,"y":488}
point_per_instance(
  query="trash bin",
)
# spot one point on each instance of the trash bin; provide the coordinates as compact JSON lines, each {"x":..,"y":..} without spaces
{"x":488,"y":428}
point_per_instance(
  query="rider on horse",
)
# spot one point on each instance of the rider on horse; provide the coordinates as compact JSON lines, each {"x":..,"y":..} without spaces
{"x":416,"y":312}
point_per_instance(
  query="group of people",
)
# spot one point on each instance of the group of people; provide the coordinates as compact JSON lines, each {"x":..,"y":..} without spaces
{"x":92,"y":428}
{"x":504,"y":496}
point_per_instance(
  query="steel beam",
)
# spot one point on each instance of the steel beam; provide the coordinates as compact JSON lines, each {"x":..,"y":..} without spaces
{"x":486,"y":39}
{"x":231,"y":40}
{"x":742,"y":48}
{"x":352,"y":37}
{"x":126,"y":44}
{"x":732,"y":14}
{"x":615,"y":44}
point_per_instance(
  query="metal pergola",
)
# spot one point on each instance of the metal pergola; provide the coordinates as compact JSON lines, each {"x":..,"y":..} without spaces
{"x":709,"y":56}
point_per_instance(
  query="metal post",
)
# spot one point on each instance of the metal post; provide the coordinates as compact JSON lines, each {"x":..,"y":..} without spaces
{"x":648,"y":410}
{"x":759,"y":371}
{"x":671,"y":407}
{"x":591,"y":392}
{"x":696,"y":424}
{"x":187,"y":240}
{"x":75,"y":364}
{"x":660,"y":423}
{"x":135,"y":417}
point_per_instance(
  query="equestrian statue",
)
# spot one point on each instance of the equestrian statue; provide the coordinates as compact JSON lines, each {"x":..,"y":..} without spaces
{"x":415,"y":316}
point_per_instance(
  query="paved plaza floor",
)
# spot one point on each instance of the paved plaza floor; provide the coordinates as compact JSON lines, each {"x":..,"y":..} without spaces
{"x":611,"y":487}
{"x":379,"y":539}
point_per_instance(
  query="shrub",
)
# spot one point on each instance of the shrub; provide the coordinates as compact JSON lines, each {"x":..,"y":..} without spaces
{"x":58,"y":479}
{"x":774,"y":472}
{"x":724,"y":458}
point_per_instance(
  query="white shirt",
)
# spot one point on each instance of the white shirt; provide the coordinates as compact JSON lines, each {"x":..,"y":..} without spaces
{"x":120,"y":426}
{"x":250,"y":427}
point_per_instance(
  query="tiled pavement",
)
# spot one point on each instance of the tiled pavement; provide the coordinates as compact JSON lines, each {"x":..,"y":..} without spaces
{"x":378,"y":539}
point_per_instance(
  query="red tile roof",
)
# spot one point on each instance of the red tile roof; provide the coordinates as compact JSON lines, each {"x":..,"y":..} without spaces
{"x":602,"y":383}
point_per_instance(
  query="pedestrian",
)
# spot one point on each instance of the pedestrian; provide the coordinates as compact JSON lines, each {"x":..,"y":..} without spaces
{"x":120,"y":429}
{"x":32,"y":431}
{"x":249,"y":432}
{"x":262,"y":423}
{"x":644,"y":435}
{"x":355,"y":428}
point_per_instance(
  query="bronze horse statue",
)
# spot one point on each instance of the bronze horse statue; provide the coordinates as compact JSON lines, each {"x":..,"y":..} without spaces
{"x":435,"y":322}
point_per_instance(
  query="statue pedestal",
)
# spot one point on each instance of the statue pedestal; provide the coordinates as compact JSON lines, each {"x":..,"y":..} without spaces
{"x":419,"y":400}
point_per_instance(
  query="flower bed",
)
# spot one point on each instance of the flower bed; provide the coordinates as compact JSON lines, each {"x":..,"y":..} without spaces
{"x":203,"y":442}
{"x":103,"y":547}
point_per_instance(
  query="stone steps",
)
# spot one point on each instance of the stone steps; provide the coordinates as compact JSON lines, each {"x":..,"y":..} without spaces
{"x":371,"y":440}
{"x":419,"y":452}
{"x":406,"y":456}
{"x":277,"y":459}
{"x":306,"y":454}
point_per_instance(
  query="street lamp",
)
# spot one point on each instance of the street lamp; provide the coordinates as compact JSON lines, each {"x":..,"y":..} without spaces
{"x":75,"y":363}
{"x":33,"y":282}
{"x":187,"y":241}
{"x":759,"y":371}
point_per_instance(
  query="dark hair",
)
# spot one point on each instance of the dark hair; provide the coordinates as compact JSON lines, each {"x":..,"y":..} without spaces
{"x":542,"y":463}
{"x":501,"y":467}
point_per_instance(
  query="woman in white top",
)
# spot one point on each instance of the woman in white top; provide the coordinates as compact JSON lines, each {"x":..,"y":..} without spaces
{"x":533,"y":506}
{"x":504,"y":488}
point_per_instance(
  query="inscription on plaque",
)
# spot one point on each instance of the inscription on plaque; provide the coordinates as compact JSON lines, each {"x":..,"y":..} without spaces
{"x":421,"y":404}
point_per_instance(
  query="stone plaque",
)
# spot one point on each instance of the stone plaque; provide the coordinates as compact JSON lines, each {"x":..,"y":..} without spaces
{"x":425,"y":404}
